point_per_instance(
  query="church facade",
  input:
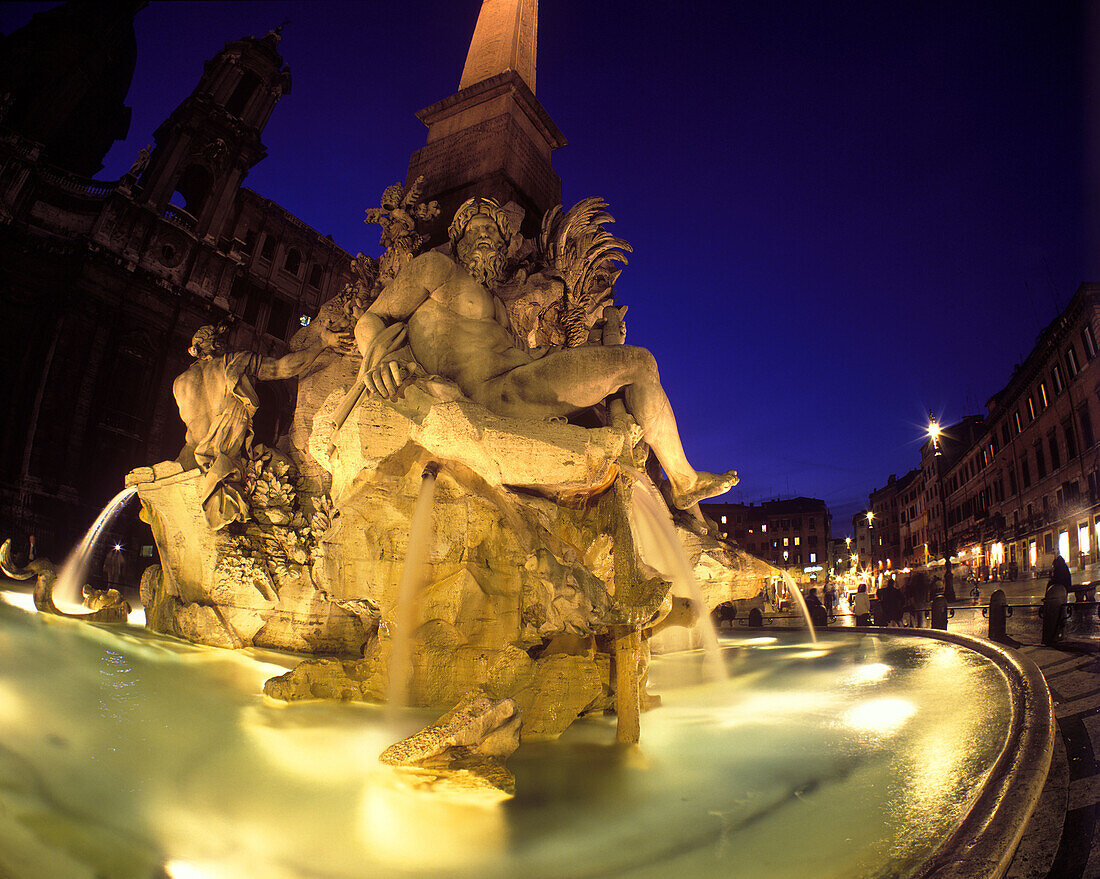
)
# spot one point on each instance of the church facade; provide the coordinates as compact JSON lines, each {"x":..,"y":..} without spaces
{"x":102,"y":283}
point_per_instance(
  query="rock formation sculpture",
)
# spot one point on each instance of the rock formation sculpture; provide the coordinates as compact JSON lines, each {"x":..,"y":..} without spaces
{"x":539,"y":602}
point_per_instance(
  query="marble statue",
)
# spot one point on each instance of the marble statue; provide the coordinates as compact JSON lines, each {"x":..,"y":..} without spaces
{"x":456,"y":329}
{"x":103,"y":605}
{"x":541,"y":599}
{"x":141,"y":162}
{"x":216,"y":401}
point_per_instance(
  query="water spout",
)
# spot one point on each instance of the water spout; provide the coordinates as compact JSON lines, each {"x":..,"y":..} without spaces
{"x":657,"y":539}
{"x":796,"y":597}
{"x":414,"y":576}
{"x":69,"y":588}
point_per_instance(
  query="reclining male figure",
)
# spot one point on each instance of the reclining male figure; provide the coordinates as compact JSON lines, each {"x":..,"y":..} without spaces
{"x":454,"y":331}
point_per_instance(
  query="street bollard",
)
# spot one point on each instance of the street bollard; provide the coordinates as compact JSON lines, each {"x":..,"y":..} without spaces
{"x":1055,"y":613}
{"x":939,"y":613}
{"x":998,"y":614}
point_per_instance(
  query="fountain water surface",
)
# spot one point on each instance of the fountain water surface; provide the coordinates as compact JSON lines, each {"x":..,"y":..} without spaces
{"x":123,"y":752}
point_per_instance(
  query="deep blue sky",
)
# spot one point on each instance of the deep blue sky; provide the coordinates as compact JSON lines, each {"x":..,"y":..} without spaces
{"x":843,"y":214}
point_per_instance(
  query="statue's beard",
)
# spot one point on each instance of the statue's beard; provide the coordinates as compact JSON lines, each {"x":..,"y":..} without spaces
{"x":485,"y":264}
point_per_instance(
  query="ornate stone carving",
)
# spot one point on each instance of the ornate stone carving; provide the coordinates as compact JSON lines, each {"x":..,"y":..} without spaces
{"x":216,"y":400}
{"x":398,"y":214}
{"x":456,"y":330}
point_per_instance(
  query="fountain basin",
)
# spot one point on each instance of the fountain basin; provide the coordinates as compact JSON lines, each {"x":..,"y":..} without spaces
{"x":123,"y":752}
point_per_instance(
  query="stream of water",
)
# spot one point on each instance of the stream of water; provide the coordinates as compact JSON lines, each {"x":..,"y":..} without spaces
{"x":68,"y":592}
{"x":660,"y":545}
{"x":414,"y":576}
{"x":796,"y":597}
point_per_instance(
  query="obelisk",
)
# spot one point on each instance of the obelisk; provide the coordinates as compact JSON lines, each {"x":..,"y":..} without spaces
{"x":492,"y":137}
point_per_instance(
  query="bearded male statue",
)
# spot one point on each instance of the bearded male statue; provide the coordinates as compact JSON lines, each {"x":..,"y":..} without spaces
{"x":456,"y":329}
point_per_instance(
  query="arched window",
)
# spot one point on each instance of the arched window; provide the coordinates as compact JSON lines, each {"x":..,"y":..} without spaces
{"x":239,"y":99}
{"x":268,"y":250}
{"x":192,"y":189}
{"x":293,"y":262}
{"x":315,"y":276}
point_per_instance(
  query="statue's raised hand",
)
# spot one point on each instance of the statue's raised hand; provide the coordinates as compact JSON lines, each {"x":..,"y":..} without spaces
{"x":340,"y":340}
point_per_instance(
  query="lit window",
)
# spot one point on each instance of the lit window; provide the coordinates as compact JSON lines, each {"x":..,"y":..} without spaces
{"x":1016,"y":420}
{"x":723,"y":520}
{"x":1043,"y":399}
{"x":1083,"y":537}
{"x":813,"y":558}
{"x":1056,"y":376}
{"x":1031,"y":407}
{"x":764,"y":528}
{"x":786,"y":556}
{"x":797,"y":540}
{"x":786,"y":541}
{"x":1090,"y":342}
{"x":1033,"y":553}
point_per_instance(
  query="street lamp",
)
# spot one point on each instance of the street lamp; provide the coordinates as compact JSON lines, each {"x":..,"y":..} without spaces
{"x":870,"y":543}
{"x":934,"y":431}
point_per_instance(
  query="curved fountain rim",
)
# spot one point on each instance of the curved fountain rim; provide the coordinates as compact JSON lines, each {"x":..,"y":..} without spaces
{"x":984,"y":842}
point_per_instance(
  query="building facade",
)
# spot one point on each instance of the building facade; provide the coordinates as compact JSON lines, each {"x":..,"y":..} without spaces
{"x":1005,"y":493}
{"x":1026,"y":490}
{"x":104,"y":282}
{"x":792,"y":534}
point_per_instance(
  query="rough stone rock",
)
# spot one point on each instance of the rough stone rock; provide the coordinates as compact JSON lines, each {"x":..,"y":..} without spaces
{"x":319,"y":679}
{"x":477,"y":724}
{"x":548,"y":693}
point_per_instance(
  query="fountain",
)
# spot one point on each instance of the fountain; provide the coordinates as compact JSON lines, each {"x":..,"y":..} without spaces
{"x":516,"y":574}
{"x":420,"y":637}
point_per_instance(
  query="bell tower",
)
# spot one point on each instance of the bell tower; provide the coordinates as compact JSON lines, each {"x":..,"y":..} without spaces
{"x":492,"y":137}
{"x":205,"y":149}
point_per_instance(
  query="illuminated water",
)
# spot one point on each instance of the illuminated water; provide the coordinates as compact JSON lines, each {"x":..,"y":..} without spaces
{"x":414,"y":577}
{"x":68,"y":591}
{"x":123,"y":752}
{"x":798,"y":599}
{"x":658,"y":543}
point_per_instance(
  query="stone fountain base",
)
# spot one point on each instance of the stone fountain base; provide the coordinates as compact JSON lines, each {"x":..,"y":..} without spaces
{"x":531,"y":574}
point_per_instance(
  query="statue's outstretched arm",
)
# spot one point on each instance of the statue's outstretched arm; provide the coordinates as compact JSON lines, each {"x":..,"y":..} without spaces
{"x":297,"y":362}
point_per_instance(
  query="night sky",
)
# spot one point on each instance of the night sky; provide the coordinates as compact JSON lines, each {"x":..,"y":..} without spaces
{"x":843,"y":214}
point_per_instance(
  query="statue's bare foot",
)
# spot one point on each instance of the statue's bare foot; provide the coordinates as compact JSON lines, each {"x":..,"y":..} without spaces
{"x":705,"y":485}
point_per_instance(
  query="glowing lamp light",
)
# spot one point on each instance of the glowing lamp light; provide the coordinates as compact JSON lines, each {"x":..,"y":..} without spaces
{"x":118,"y":547}
{"x":934,"y":431}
